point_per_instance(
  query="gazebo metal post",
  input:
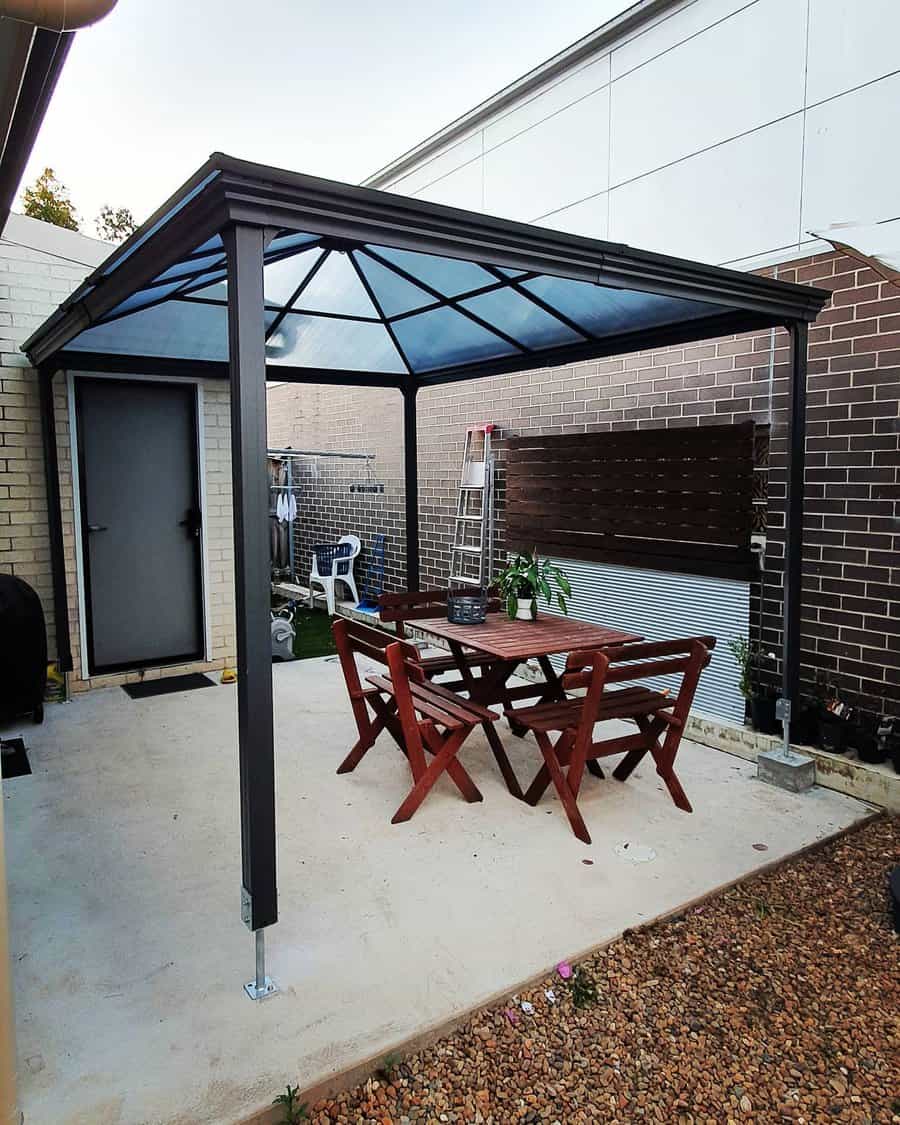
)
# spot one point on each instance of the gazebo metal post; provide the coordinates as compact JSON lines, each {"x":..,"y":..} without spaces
{"x":245,"y":245}
{"x":54,"y":521}
{"x":411,"y":485}
{"x":793,"y":528}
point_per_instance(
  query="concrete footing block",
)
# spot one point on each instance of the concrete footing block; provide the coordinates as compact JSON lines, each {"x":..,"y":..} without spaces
{"x":795,"y":772}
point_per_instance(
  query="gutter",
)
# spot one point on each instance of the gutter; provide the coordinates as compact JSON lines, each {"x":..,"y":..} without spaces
{"x":56,"y":15}
{"x":25,"y":93}
{"x":42,"y":69}
{"x":555,"y":67}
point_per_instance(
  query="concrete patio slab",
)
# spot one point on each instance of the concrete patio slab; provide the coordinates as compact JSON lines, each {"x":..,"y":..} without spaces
{"x":124,"y":870}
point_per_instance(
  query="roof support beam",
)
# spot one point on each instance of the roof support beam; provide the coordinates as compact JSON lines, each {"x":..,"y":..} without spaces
{"x":163,"y":367}
{"x":245,"y":246}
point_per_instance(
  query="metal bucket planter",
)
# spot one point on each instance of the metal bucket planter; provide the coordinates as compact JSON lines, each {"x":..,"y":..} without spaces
{"x":467,"y":609}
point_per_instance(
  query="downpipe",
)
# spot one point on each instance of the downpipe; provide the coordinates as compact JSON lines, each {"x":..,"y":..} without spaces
{"x":56,"y":15}
{"x":9,"y":1111}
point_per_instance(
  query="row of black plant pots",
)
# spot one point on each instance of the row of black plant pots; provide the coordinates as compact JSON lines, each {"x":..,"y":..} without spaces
{"x":873,"y":741}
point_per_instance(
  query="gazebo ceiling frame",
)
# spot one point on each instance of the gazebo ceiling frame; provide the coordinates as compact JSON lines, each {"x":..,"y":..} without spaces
{"x":248,"y":205}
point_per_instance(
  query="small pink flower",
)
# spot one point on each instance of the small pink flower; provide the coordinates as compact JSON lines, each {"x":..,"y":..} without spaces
{"x":512,"y":1016}
{"x":564,"y":969}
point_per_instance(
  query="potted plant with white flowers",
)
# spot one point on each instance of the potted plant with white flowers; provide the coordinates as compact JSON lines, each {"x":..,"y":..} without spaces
{"x":527,"y":578}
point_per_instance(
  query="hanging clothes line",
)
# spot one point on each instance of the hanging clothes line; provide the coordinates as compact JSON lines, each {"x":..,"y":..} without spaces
{"x":320,"y":453}
{"x":280,"y":516}
{"x":283,"y":505}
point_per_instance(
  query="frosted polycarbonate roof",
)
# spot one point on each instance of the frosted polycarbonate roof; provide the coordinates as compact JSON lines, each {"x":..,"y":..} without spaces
{"x":372,"y":308}
{"x":365,"y":287}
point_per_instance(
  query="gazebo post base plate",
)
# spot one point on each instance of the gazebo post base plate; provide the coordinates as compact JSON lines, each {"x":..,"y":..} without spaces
{"x":787,"y":770}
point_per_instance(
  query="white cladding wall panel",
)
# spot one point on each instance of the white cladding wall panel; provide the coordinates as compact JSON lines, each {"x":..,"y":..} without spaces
{"x":558,"y":162}
{"x":852,"y":158}
{"x":723,"y":204}
{"x":551,"y":99}
{"x":441,"y":165}
{"x":708,"y":156}
{"x":588,"y":218}
{"x":850,"y":42}
{"x":672,"y":28}
{"x":462,"y":188}
{"x":738,"y":75}
{"x":664,"y":606}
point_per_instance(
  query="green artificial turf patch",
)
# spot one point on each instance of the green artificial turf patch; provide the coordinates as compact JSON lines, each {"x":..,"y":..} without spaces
{"x":313,"y":633}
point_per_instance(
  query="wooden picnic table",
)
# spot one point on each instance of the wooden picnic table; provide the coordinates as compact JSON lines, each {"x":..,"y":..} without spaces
{"x":511,"y":643}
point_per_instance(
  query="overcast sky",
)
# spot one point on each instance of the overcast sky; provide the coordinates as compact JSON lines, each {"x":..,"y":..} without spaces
{"x":336,"y":88}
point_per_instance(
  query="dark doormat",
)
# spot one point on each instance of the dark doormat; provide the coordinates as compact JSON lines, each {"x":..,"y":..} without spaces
{"x":168,"y":684}
{"x":13,"y":758}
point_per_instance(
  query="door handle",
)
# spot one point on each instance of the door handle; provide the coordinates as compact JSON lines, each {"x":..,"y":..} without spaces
{"x":97,"y":527}
{"x":193,"y":521}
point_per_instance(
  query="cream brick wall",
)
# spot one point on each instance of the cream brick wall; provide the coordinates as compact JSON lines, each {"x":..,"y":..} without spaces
{"x":33,"y":281}
{"x":39,"y":267}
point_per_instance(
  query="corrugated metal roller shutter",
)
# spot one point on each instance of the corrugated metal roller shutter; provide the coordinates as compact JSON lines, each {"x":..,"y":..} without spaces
{"x":661,"y":606}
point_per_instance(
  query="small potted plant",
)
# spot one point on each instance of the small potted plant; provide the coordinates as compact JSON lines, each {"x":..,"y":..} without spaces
{"x":868,"y":737}
{"x":760,"y":699}
{"x":890,"y":732}
{"x":528,"y":577}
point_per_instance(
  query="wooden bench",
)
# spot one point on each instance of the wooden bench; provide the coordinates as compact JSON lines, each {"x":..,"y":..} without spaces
{"x":432,"y":718}
{"x":351,"y":640}
{"x":654,"y":712}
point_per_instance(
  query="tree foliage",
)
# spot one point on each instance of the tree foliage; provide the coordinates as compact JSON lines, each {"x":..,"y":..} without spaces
{"x":48,"y":199}
{"x":115,"y":224}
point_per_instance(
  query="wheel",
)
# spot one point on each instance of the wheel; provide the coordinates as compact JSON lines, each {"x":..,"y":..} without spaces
{"x":38,"y":714}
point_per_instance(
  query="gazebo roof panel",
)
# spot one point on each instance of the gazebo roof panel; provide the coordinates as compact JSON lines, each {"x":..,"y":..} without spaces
{"x":394,"y":286}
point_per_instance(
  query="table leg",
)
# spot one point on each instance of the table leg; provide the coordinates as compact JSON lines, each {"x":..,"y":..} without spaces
{"x":481,"y":691}
{"x":553,"y":692}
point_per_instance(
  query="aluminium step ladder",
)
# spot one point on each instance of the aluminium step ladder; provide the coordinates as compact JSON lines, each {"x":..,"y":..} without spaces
{"x":472,"y":551}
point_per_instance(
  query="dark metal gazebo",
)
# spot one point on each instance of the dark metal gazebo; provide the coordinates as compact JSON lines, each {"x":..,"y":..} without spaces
{"x":250,"y":272}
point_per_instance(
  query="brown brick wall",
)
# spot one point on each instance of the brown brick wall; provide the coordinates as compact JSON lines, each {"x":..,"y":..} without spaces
{"x":852,"y":572}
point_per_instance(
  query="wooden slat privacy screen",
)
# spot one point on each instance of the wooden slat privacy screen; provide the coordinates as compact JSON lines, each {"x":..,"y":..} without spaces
{"x":677,"y":500}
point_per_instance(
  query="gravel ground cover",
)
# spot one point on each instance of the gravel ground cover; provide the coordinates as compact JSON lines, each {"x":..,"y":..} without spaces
{"x":777,"y":1000}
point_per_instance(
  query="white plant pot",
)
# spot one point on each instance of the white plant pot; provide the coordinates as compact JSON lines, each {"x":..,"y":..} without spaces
{"x":523,"y":612}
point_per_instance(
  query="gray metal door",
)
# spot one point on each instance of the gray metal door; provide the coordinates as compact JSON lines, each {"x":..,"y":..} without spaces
{"x":140,"y":522}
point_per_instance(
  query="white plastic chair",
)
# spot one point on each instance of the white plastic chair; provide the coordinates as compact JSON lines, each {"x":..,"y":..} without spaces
{"x":341,"y":571}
